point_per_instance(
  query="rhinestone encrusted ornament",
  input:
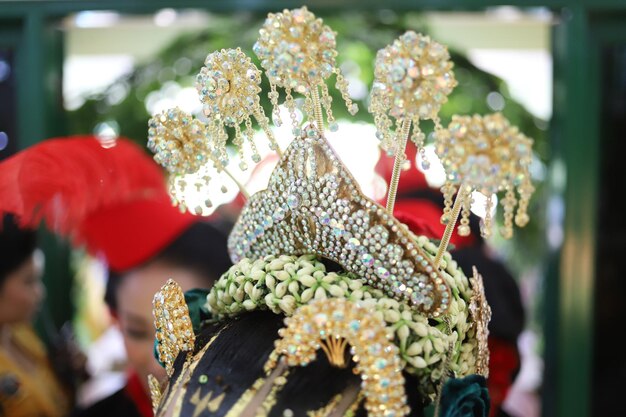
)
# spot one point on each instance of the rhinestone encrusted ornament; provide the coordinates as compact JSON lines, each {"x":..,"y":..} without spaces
{"x":229,"y":85}
{"x":413,"y":78}
{"x":314,"y":205}
{"x":481,"y":316}
{"x":174,"y":331}
{"x":297,"y":51}
{"x":185,"y":147}
{"x":487,"y":154}
{"x":339,"y":322}
{"x":179,"y":141}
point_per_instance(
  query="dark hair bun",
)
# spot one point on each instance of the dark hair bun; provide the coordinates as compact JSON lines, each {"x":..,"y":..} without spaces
{"x":16,"y":245}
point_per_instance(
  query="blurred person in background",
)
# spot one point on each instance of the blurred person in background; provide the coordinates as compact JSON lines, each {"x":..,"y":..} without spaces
{"x":195,"y":258}
{"x":29,"y":386}
{"x":111,"y":198}
{"x":507,"y":314}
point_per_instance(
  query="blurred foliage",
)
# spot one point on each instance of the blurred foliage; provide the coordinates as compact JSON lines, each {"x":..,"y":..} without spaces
{"x":359,"y":36}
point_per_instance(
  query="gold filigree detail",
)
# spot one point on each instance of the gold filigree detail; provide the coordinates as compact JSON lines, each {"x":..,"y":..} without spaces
{"x":206,"y":402}
{"x":343,"y":404}
{"x":155,"y":392}
{"x":258,"y":400}
{"x":481,"y":315}
{"x":174,"y":331}
{"x":376,"y":358}
{"x":243,"y":401}
{"x":270,"y":400}
{"x":335,"y":350}
{"x":351,"y":412}
{"x":325,"y":410}
{"x":179,"y":387}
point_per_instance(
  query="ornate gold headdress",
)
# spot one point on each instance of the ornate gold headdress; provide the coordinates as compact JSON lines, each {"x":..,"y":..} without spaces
{"x":313,"y":207}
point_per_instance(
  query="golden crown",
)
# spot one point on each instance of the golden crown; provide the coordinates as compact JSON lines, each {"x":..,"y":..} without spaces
{"x":313,"y":205}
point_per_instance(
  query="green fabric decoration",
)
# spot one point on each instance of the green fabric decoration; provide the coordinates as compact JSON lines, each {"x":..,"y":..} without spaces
{"x":155,"y":352}
{"x":196,"y":299}
{"x":465,"y":397}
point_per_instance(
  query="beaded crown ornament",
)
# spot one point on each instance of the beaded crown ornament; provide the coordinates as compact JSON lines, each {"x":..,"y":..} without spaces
{"x":313,"y":206}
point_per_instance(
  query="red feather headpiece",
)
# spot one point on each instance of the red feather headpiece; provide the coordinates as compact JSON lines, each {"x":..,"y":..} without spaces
{"x":113,"y":198}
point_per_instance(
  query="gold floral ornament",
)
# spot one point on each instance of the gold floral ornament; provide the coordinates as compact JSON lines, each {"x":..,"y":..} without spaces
{"x":182,"y":145}
{"x":178,"y":140}
{"x":413,"y":78}
{"x":486,"y":154}
{"x":298,"y":54}
{"x":481,"y":316}
{"x":174,"y":331}
{"x":229,"y":87}
{"x":332,"y":325}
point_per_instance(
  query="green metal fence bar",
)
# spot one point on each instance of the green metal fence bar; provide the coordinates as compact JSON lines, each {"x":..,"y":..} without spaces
{"x":38,"y":65}
{"x":576,"y":104}
{"x":29,"y":63}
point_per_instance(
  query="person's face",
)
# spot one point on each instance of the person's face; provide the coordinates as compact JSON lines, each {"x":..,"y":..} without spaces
{"x":134,"y":313}
{"x":21,"y":293}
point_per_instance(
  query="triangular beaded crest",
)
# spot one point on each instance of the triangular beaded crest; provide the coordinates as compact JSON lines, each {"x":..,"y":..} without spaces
{"x":314,"y":205}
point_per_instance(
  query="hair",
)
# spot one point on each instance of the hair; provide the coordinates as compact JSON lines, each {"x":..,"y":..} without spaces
{"x":235,"y":359}
{"x":16,"y":246}
{"x":200,"y":248}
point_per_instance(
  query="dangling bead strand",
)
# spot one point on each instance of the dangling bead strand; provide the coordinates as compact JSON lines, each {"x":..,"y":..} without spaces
{"x":508,"y":203}
{"x":485,"y":230}
{"x":273,"y":95}
{"x":342,"y":86}
{"x":448,"y":190}
{"x":464,"y":228}
{"x":256,"y":157}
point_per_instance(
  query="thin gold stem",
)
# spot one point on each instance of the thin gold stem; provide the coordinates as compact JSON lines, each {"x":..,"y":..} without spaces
{"x":317,"y":109}
{"x":239,"y":185}
{"x":454,"y":215}
{"x":397,"y":165}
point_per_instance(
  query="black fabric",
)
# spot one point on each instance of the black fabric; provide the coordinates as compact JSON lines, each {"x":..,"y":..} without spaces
{"x":319,"y":380}
{"x":116,"y":405}
{"x":235,"y":360}
{"x":501,"y":291}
